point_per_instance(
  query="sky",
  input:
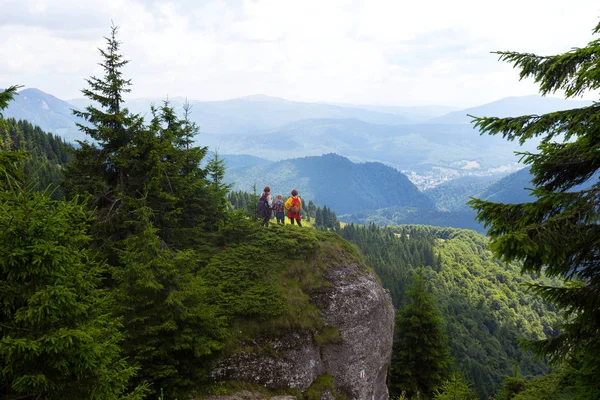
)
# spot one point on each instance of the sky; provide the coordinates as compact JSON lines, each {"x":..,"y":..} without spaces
{"x":392,"y":52}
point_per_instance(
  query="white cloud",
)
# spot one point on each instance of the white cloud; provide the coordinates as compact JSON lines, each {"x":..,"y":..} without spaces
{"x":361,"y":51}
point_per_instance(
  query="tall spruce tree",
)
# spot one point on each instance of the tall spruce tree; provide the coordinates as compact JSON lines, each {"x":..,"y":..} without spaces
{"x":420,"y":355}
{"x":215,"y":169}
{"x":156,"y":211}
{"x":101,"y":169}
{"x":558,"y":233}
{"x":129,"y":161}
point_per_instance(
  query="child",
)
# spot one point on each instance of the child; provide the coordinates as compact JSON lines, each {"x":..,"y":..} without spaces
{"x":294,"y":205}
{"x":279,"y":207}
{"x":266,"y":206}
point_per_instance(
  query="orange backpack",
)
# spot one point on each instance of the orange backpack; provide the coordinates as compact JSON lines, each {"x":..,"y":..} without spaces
{"x":295,"y":206}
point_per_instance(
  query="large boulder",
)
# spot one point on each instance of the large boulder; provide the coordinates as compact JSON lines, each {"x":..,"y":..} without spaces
{"x":349,"y":356}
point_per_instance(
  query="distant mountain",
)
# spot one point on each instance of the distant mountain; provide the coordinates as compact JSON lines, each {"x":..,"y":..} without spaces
{"x":510,"y":107}
{"x":404,"y":146}
{"x":512,"y":189}
{"x":453,"y":195}
{"x":334,"y":181}
{"x":233,"y":161}
{"x":46,"y":111}
{"x":450,"y":198}
{"x":415,"y":114}
{"x":450,"y":202}
{"x":275,"y":129}
{"x":515,"y":188}
{"x":257,"y":113}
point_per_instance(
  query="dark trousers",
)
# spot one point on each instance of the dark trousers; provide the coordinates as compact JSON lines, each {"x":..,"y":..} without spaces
{"x":280,"y":217}
{"x":297,"y":221}
{"x":266,"y":221}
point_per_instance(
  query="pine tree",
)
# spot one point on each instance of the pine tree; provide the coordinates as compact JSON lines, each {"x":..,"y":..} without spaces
{"x":58,"y":339}
{"x":101,"y":169}
{"x":455,"y":388}
{"x":558,"y":233}
{"x":215,"y":169}
{"x":169,"y":330}
{"x":420,"y":356}
{"x":6,"y":96}
{"x":129,"y":161}
{"x":319,"y":218}
{"x":157,"y":210}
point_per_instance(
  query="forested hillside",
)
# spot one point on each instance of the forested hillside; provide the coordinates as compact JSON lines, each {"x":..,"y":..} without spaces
{"x":48,"y":152}
{"x":450,"y":199}
{"x":513,"y":189}
{"x":454,"y":195}
{"x":484,"y":303}
{"x":405,"y":215}
{"x":47,"y":111}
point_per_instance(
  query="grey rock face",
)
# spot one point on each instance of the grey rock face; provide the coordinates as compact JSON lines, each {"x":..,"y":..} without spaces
{"x":355,"y":304}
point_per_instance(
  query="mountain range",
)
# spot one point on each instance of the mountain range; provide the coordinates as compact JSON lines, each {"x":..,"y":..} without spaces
{"x":416,"y":140}
{"x":510,"y":107}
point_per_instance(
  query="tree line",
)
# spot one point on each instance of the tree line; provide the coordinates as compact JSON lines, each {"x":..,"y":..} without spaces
{"x":106,"y":289}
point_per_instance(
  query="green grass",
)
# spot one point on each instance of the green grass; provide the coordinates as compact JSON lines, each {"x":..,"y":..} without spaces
{"x":263,"y":282}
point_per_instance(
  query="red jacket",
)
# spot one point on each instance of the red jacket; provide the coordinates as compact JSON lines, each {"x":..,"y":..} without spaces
{"x":288,"y":206}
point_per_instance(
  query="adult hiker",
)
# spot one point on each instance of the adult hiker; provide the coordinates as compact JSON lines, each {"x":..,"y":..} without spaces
{"x":293,"y":205}
{"x":265,"y":205}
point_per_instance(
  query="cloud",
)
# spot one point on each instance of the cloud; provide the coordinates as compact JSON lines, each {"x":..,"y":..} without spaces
{"x":361,"y":51}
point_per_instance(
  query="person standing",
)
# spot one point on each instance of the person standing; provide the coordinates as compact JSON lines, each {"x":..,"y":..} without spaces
{"x":265,"y":205}
{"x":279,"y":208}
{"x":294,"y":206}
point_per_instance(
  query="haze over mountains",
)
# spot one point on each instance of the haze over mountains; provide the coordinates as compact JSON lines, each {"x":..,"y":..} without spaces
{"x":510,"y":107}
{"x":428,"y":143}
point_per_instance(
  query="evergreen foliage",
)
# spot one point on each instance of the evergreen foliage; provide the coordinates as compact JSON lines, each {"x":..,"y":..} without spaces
{"x":215,"y":169}
{"x":6,"y":96}
{"x":464,"y":219}
{"x":58,"y":337}
{"x":48,"y":153}
{"x":483,"y":301}
{"x":555,"y":386}
{"x":558,"y":234}
{"x":420,"y":356}
{"x":157,"y":215}
{"x":101,"y":168}
{"x":455,"y":388}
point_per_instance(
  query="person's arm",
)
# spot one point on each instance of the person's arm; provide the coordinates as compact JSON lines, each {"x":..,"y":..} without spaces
{"x":288,"y":204}
{"x":270,"y":201}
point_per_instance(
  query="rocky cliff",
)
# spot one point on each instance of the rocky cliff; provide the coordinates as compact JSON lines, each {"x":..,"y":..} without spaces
{"x":346,"y":357}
